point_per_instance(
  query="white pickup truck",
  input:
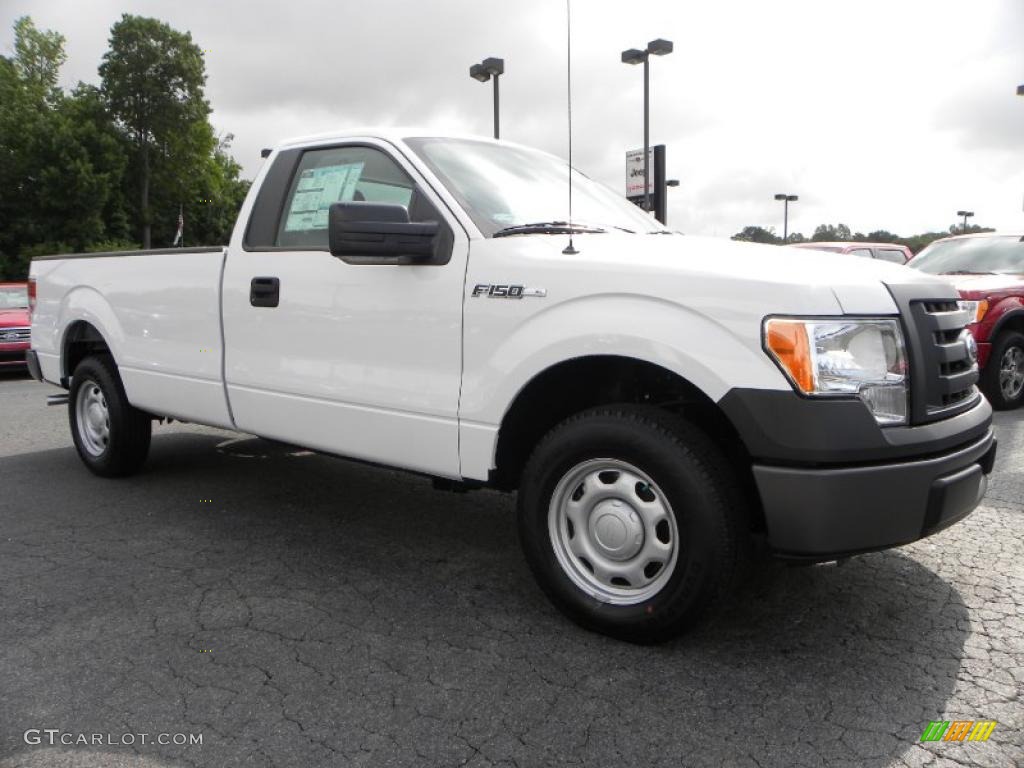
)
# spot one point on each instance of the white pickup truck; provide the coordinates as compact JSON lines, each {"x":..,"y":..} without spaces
{"x":658,"y":401}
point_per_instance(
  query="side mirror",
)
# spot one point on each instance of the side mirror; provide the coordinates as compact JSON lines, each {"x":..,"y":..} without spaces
{"x":379,"y":233}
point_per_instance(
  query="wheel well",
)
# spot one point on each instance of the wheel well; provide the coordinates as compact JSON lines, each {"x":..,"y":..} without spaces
{"x":1013,"y":322}
{"x":585,"y":382}
{"x":80,"y":340}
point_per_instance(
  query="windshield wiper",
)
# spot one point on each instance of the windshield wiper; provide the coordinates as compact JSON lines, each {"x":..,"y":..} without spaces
{"x":547,"y":228}
{"x":965,"y":272}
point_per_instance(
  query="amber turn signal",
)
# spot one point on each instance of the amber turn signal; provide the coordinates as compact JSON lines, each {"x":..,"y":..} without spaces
{"x":788,"y":344}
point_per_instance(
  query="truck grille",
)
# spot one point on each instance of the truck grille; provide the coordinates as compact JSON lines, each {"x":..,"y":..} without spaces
{"x":12,"y":335}
{"x":943,"y":375}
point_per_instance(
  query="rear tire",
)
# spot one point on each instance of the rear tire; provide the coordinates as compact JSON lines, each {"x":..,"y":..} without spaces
{"x":1003,"y":377}
{"x":631,"y":521}
{"x":111,"y":436}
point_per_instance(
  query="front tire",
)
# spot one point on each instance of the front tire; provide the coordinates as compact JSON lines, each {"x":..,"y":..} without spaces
{"x":111,"y":436}
{"x":1003,"y":377}
{"x":631,"y":522}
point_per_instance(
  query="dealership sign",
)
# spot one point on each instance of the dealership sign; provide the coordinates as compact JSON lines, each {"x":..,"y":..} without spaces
{"x":635,"y":172}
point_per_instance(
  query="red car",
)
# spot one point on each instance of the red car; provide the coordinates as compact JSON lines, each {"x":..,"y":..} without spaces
{"x":898,"y":254}
{"x":14,"y":324}
{"x":988,"y":271}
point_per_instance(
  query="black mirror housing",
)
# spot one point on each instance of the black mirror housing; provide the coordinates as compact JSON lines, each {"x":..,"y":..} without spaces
{"x":379,"y":233}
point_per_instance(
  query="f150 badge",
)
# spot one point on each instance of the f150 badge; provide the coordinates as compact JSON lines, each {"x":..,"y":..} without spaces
{"x":507,"y":291}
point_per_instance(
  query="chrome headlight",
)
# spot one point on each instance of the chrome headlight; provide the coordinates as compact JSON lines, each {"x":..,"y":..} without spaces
{"x":838,"y":356}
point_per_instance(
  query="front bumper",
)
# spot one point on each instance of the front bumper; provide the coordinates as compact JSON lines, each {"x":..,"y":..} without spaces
{"x":822,"y":513}
{"x":13,"y":354}
{"x":32,"y":361}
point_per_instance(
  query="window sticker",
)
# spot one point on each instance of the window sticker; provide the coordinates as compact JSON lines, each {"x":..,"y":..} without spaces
{"x":316,"y":190}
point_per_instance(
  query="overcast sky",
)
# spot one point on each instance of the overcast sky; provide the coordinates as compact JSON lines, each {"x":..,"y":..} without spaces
{"x":882,"y":114}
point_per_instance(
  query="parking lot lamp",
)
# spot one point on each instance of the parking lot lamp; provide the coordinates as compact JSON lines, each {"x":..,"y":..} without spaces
{"x":786,"y":200}
{"x":657,"y":47}
{"x":490,"y":69}
{"x":966,"y":215}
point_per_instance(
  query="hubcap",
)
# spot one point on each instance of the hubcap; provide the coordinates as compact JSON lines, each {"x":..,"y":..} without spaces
{"x":1011,"y":372}
{"x":93,"y":418}
{"x":613,"y":531}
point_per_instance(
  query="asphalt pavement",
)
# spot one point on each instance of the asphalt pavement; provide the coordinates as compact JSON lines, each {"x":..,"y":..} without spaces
{"x":296,"y":610}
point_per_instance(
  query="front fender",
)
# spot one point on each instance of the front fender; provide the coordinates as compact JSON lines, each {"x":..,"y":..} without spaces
{"x":708,"y":355}
{"x":1007,"y":310}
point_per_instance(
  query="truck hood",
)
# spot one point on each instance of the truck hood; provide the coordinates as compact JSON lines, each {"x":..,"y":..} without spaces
{"x":987,"y":286}
{"x":856,"y":284}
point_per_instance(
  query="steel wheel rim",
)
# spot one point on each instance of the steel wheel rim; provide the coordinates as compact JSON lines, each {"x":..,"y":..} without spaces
{"x":1011,"y":372}
{"x":613,"y":531}
{"x":93,"y":418}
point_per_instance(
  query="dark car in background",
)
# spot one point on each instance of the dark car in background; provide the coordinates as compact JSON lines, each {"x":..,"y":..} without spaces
{"x":898,"y":254}
{"x":988,"y":271}
{"x":14,"y":324}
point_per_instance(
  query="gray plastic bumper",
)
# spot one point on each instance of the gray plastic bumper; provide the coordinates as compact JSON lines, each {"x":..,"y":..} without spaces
{"x":32,"y":361}
{"x":818,"y":513}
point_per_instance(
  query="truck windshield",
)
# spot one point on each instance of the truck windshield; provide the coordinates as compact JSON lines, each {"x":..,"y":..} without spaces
{"x":13,"y":297}
{"x":972,"y":255}
{"x":503,"y":186}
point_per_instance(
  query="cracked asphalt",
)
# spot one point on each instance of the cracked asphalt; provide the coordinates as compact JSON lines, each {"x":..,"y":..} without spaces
{"x":298,"y":610}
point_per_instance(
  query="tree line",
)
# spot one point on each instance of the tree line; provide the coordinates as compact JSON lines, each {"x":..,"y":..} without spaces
{"x":827,"y":233}
{"x":108,"y":167}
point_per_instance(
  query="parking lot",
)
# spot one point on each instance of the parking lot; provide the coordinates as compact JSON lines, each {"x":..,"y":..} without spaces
{"x":298,"y":610}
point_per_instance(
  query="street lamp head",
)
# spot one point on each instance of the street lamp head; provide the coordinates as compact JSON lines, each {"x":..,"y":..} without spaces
{"x":1020,"y":90}
{"x":672,"y":183}
{"x":659,"y":47}
{"x":493,"y":66}
{"x":633,"y":56}
{"x":477,"y":72}
{"x":965,"y":213}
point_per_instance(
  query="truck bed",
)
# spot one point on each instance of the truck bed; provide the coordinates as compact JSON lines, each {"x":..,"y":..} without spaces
{"x":158,"y":309}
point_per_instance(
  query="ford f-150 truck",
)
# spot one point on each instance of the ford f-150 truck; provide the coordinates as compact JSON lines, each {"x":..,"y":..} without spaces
{"x":659,"y":402}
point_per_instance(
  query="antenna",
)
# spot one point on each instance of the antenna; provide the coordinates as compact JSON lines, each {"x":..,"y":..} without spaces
{"x":569,"y":250}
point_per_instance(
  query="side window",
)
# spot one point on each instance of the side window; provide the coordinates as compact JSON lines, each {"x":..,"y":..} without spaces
{"x":862,"y":252}
{"x":339,"y":174}
{"x":891,"y":254}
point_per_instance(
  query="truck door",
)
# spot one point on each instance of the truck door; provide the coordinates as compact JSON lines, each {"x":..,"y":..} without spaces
{"x":355,"y":359}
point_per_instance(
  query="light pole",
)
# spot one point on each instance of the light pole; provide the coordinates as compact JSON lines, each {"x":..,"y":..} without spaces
{"x":484,"y":71}
{"x":966,"y":215}
{"x":786,"y":200}
{"x":657,"y":47}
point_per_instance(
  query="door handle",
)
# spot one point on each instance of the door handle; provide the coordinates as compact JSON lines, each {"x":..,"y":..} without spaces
{"x":265,"y":292}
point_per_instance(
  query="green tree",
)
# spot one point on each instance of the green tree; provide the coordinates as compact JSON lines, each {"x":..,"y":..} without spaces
{"x":153,"y":80}
{"x":38,"y":57}
{"x":218,"y":195}
{"x":60,"y":159}
{"x":826,"y":233}
{"x":758,"y":235}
